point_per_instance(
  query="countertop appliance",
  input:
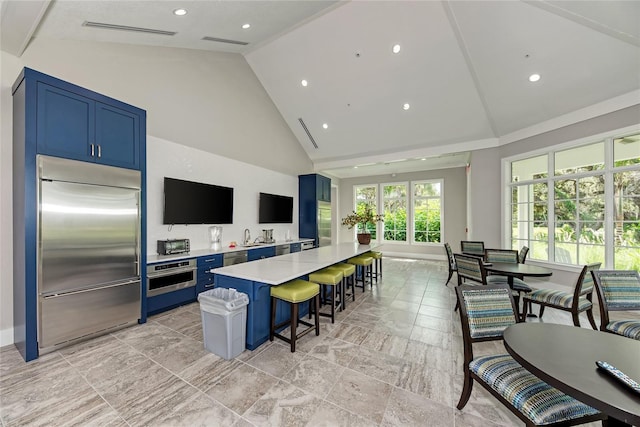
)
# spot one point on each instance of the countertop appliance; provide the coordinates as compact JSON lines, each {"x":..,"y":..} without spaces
{"x":88,"y":250}
{"x":170,"y":276}
{"x":267,"y":235}
{"x":173,"y":246}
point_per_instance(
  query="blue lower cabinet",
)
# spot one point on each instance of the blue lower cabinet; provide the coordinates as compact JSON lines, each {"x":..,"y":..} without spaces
{"x":258,"y":310}
{"x":296,"y":247}
{"x":205,"y":277}
{"x":261,"y":253}
{"x":164,"y":302}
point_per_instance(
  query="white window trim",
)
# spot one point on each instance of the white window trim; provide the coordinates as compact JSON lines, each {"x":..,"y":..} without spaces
{"x":412,"y":225}
{"x":355,"y":202}
{"x":409,"y":211}
{"x":608,"y":171}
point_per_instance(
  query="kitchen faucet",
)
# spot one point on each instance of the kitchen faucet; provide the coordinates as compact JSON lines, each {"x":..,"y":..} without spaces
{"x":247,"y":236}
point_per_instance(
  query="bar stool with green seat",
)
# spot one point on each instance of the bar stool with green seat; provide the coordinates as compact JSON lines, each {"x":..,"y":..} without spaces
{"x":294,"y":292}
{"x":364,"y":263}
{"x":333,"y":279}
{"x":348,"y":278}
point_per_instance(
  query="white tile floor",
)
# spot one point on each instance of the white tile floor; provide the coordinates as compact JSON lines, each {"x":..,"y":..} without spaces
{"x":393,"y":358}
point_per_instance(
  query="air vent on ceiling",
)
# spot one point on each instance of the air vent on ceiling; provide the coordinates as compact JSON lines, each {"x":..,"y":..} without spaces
{"x":127,"y":28}
{"x":216,"y":39}
{"x":304,"y":126}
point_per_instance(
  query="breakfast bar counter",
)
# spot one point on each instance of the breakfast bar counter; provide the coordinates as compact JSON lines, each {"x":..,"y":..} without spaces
{"x":255,"y":279}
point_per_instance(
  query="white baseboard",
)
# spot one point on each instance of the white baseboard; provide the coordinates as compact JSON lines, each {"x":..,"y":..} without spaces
{"x":414,"y":255}
{"x":6,"y":337}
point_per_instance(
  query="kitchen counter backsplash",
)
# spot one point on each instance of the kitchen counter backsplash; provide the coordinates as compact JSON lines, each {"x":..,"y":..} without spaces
{"x":222,"y":250}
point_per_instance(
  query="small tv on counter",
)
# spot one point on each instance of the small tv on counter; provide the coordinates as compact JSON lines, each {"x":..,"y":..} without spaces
{"x":188,"y":202}
{"x":275,"y":209}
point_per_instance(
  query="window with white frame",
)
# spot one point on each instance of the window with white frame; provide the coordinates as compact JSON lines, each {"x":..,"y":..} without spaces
{"x":587,"y":197}
{"x":366,"y":196}
{"x":427,"y":211}
{"x":394,"y":209}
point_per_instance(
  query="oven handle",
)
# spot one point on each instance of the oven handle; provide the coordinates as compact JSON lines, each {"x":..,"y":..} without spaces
{"x":170,"y":272}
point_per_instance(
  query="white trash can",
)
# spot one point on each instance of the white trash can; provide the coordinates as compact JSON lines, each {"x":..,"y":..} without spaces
{"x":224,"y":321}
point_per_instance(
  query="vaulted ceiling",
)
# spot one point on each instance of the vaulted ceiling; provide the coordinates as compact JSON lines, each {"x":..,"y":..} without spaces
{"x":463,"y":67}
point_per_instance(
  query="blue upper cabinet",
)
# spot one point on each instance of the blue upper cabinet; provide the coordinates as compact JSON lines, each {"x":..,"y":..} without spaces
{"x":79,"y":124}
{"x":312,"y":189}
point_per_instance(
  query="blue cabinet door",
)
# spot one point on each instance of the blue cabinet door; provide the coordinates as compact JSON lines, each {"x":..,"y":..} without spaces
{"x":296,"y":247}
{"x":117,"y":136}
{"x":65,"y":123}
{"x":80,"y":128}
{"x":205,"y":276}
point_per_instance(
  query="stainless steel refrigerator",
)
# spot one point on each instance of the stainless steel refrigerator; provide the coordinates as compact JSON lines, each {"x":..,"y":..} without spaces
{"x":88,"y":250}
{"x":324,"y":223}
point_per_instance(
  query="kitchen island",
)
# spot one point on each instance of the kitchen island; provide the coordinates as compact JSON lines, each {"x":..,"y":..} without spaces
{"x":256,"y":278}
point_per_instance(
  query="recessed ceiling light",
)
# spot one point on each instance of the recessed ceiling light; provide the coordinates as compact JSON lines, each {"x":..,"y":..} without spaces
{"x":304,"y":83}
{"x":355,"y":167}
{"x":325,"y":126}
{"x":395,"y":48}
{"x":246,"y":26}
{"x":423,"y":158}
{"x":534,"y":77}
{"x":406,"y":106}
{"x":180,"y":12}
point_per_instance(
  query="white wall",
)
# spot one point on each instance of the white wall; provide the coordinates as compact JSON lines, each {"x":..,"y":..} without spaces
{"x":208,"y":100}
{"x":165,"y":158}
{"x":484,"y":197}
{"x":455,"y":190}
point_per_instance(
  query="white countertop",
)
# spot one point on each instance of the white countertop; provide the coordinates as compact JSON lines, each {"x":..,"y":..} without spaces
{"x":225,"y":249}
{"x":280,"y":269}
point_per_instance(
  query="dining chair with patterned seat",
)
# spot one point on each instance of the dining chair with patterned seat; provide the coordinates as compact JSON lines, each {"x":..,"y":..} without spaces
{"x":522,"y":255}
{"x":575,"y":302}
{"x":485,"y":312}
{"x":469,"y":267}
{"x":452,"y":262}
{"x":505,"y":256}
{"x":618,"y":290}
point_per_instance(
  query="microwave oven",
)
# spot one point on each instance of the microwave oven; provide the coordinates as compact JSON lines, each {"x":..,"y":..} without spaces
{"x":174,"y":246}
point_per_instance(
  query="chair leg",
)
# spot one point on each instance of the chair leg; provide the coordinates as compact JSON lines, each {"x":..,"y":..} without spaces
{"x":541,"y":312}
{"x":316,"y":301}
{"x":525,"y":310}
{"x":273,"y":318}
{"x":591,"y":319}
{"x":466,"y":390}
{"x":333,"y":303}
{"x":294,"y":325}
{"x":449,"y":278}
{"x":576,"y":319}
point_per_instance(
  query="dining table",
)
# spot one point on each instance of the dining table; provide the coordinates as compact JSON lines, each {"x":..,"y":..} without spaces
{"x":512,"y":269}
{"x":565,"y":357}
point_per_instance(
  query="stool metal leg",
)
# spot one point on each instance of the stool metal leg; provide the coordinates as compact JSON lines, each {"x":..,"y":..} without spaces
{"x":273,"y":318}
{"x":316,"y":300}
{"x":294,"y":324}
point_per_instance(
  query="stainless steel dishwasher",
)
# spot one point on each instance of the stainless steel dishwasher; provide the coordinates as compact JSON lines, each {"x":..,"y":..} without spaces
{"x":283,"y":249}
{"x":231,"y":258}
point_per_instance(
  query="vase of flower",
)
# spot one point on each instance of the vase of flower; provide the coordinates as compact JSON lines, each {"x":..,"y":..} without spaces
{"x":360,"y":220}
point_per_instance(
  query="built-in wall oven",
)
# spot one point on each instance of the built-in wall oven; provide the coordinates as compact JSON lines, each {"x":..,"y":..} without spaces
{"x":170,"y":276}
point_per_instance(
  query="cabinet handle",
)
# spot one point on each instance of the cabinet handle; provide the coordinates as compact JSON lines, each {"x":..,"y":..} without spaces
{"x":99,"y":151}
{"x":93,"y":153}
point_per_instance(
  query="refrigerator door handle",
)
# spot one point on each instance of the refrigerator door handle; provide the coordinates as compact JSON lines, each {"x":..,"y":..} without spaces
{"x":81,"y":291}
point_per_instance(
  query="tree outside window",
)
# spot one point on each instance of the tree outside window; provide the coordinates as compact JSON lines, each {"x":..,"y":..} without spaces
{"x":394,"y":198}
{"x":366,"y":196}
{"x":427,"y":212}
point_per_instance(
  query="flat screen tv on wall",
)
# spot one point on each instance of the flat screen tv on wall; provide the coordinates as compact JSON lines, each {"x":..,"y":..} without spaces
{"x":275,"y":209}
{"x":188,"y":202}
